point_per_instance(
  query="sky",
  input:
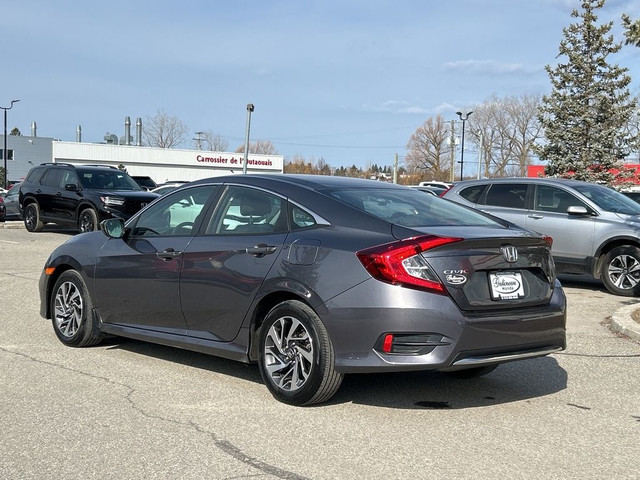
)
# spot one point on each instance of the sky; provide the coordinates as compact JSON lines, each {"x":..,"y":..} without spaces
{"x":348,"y":81}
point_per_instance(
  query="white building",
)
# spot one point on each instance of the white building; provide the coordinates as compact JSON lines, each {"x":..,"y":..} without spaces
{"x":161,"y":164}
{"x":165,"y":164}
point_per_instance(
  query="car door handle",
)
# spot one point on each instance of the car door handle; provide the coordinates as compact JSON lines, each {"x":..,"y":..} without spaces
{"x":261,"y":250}
{"x":168,"y":254}
{"x":535,"y":216}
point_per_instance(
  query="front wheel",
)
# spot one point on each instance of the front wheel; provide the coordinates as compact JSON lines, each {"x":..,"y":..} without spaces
{"x":620,"y":271}
{"x":296,"y":355}
{"x":71,"y":312}
{"x":88,"y":220}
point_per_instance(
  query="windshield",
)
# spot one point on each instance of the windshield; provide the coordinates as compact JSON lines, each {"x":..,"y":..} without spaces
{"x":411,"y":208}
{"x":107,"y":179}
{"x":609,"y":199}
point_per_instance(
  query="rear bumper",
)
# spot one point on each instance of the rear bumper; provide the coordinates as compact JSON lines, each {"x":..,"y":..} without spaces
{"x":485,"y":338}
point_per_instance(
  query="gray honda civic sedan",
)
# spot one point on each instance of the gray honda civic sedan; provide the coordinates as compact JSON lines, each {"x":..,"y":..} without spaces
{"x":312,"y":277}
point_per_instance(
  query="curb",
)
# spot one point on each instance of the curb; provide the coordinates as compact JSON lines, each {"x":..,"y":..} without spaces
{"x":622,"y":322}
{"x":13,"y":224}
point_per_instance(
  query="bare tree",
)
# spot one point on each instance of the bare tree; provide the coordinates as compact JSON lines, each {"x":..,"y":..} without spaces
{"x":264,"y":147}
{"x":429,"y":150}
{"x":213,"y":141}
{"x":505,"y":131}
{"x":164,"y":131}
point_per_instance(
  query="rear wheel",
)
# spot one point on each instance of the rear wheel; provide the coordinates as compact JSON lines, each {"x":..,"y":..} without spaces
{"x":296,"y":355}
{"x":88,"y":220}
{"x":71,"y":312}
{"x":32,"y":220}
{"x":620,"y":271}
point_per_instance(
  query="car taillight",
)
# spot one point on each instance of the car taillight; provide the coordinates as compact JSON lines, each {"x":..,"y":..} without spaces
{"x":402,"y":263}
{"x":548,"y":240}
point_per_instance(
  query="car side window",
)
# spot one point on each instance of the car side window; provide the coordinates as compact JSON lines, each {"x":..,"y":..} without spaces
{"x":247,"y":211}
{"x":552,"y":199}
{"x":510,"y":195}
{"x":51,"y":178}
{"x":69,"y":177}
{"x":473,"y":193}
{"x":301,"y":218}
{"x":176,"y":214}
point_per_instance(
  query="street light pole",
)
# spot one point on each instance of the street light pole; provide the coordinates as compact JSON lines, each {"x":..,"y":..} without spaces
{"x":464,"y":119}
{"x":250,"y":109}
{"x":4,"y":152}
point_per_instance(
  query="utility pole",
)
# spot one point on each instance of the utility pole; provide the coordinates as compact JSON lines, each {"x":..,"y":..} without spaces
{"x":480,"y":155}
{"x":395,"y":170}
{"x":453,"y":151}
{"x":250,"y":108}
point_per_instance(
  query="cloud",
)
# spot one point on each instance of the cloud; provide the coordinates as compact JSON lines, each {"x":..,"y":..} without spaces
{"x":487,"y":67}
{"x":395,"y":106}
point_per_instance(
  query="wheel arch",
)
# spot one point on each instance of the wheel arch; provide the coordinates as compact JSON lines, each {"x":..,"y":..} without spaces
{"x":51,"y":281}
{"x":84,"y":204}
{"x":264,"y":306}
{"x":609,"y":245}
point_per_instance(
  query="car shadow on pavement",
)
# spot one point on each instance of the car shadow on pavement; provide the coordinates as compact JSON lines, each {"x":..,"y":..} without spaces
{"x":584,"y":282}
{"x":511,"y":382}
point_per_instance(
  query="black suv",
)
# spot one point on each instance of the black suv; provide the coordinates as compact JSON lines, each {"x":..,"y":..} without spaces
{"x":78,"y":195}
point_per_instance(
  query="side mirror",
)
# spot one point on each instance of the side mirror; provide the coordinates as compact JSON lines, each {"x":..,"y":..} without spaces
{"x":71,"y":187}
{"x":577,"y":210}
{"x":113,"y":227}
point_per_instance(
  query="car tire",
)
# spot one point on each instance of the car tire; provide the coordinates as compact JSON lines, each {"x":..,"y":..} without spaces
{"x":88,"y":220}
{"x":473,"y":372}
{"x":72,"y":312}
{"x":297,"y":360}
{"x":620,"y":271}
{"x":32,"y":220}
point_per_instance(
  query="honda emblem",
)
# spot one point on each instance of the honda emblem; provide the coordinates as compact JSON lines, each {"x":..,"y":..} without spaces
{"x":509,"y":253}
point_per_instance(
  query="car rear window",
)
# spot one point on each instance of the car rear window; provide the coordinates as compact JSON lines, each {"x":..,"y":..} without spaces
{"x":410,"y":208}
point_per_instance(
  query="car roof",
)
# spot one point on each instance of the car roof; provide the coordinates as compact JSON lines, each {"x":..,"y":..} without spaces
{"x":312,"y":182}
{"x":547,"y":180}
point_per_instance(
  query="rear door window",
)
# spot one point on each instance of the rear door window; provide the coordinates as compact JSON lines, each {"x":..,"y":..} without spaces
{"x":509,"y":195}
{"x":473,"y":193}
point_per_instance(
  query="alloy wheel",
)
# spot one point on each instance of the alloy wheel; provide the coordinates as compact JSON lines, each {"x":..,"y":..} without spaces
{"x":288,"y":353}
{"x":68,"y":309}
{"x":624,"y":271}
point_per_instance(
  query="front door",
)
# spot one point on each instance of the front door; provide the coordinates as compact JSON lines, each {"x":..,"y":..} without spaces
{"x":137,"y":278}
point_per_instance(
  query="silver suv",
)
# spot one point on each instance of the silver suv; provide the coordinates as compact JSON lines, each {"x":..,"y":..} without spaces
{"x":595,"y":229}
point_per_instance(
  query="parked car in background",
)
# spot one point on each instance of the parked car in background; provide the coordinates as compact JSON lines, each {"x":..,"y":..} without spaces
{"x":78,"y":196}
{"x":146,"y":182}
{"x":434,"y":183}
{"x":595,"y":229}
{"x":312,"y":277}
{"x":168,"y":187}
{"x":632,"y":192}
{"x":2,"y":209}
{"x":432,"y":189}
{"x":12,"y":204}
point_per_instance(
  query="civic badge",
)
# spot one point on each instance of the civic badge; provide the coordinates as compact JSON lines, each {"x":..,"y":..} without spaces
{"x":509,"y":253}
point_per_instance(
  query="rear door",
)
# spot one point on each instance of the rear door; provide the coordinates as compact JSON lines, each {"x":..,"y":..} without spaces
{"x":507,"y":201}
{"x":225,"y":266}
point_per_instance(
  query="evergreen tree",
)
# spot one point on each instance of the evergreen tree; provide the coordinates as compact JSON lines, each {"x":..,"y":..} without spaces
{"x":585,"y":115}
{"x":632,"y":31}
